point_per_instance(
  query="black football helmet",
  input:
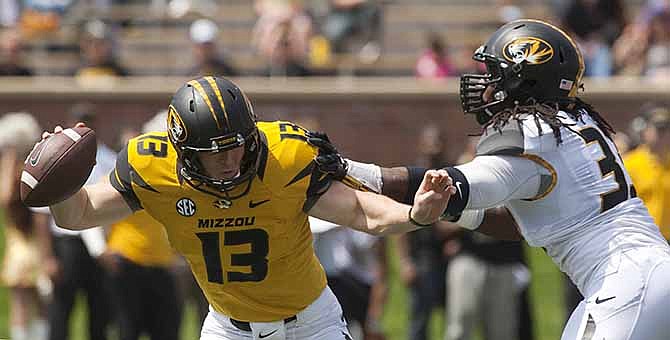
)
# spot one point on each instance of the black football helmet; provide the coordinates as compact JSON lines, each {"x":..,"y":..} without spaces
{"x":212,"y":114}
{"x":525,"y":59}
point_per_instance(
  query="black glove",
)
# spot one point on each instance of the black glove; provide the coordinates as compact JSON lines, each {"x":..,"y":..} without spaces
{"x":328,"y":159}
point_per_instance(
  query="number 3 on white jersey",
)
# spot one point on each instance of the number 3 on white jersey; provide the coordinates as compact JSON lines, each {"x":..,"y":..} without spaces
{"x":609,"y":166}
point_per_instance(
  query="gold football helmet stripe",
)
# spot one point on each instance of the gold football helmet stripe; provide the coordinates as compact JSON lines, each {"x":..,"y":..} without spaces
{"x":203,"y":94}
{"x":215,"y":87}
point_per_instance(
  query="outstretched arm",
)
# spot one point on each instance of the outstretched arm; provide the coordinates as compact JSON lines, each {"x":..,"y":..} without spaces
{"x":92,"y":206}
{"x":380,"y":215}
{"x":484,"y":183}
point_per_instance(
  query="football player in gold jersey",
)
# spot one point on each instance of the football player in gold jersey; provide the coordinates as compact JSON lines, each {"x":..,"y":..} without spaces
{"x":234,"y":195}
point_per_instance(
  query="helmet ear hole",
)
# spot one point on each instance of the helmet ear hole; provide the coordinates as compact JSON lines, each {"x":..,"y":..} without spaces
{"x":191,"y":105}
{"x":561,"y":56}
{"x":232,"y":94}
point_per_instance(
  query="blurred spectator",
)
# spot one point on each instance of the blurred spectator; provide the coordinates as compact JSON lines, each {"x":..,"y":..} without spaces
{"x":486,"y":281}
{"x":77,"y":253}
{"x":434,"y":62}
{"x":42,"y":16}
{"x":26,"y":234}
{"x":356,"y":268}
{"x":596,"y":35}
{"x":281,"y":36}
{"x":420,"y":253}
{"x":622,"y":142}
{"x":208,"y":60}
{"x":649,"y":168}
{"x":138,"y":261}
{"x":126,"y":132}
{"x":157,"y":123}
{"x":658,"y":53}
{"x":637,"y":128}
{"x":643,"y":47}
{"x":353,"y":20}
{"x":508,"y":11}
{"x":10,"y":54}
{"x":9,"y":12}
{"x":98,"y":60}
{"x":283,"y":62}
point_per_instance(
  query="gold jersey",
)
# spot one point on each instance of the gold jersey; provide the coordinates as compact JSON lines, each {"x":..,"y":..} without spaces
{"x":253,"y":258}
{"x":141,"y":239}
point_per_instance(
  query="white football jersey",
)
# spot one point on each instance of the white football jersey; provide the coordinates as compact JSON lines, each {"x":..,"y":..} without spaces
{"x":587,"y":209}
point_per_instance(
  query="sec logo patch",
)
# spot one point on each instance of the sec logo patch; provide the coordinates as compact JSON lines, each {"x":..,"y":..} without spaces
{"x":185,"y":207}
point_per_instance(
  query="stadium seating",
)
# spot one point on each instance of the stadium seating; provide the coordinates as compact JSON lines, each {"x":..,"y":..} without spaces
{"x":153,"y":43}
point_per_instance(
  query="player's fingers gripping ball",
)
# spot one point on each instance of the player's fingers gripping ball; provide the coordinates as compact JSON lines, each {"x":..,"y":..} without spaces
{"x":58,"y":166}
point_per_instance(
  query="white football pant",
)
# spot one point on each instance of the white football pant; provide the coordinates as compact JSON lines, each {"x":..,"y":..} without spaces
{"x":630,"y":302}
{"x":321,"y":320}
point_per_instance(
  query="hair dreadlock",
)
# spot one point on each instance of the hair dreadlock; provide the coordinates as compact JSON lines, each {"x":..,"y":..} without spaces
{"x":548,"y":112}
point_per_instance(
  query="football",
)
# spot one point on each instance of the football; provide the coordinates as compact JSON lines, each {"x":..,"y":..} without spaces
{"x":58,"y":166}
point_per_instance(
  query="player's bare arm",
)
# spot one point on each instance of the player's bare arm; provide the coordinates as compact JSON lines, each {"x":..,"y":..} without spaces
{"x":93,"y":205}
{"x":380,"y":215}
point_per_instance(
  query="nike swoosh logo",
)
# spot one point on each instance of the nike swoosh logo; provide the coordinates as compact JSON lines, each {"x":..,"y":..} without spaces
{"x":37,"y":152}
{"x":598,"y":301}
{"x":458,"y":186}
{"x":253,"y":204}
{"x":263,"y":336}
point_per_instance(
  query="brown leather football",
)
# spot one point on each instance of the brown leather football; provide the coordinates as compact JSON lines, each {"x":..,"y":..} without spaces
{"x":58,"y":167}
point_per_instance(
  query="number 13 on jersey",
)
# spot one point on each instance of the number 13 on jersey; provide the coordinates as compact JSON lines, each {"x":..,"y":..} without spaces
{"x":256,"y":259}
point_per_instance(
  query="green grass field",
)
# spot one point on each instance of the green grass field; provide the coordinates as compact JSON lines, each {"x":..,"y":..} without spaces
{"x":548,"y":310}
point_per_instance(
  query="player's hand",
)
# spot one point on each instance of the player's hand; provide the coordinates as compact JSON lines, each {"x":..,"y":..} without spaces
{"x":432,"y":197}
{"x":58,"y":129}
{"x":328,"y":159}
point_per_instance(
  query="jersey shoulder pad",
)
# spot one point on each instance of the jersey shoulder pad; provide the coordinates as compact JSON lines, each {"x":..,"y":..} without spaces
{"x":150,"y":150}
{"x":509,"y":140}
{"x":148,"y":162}
{"x":290,"y":166}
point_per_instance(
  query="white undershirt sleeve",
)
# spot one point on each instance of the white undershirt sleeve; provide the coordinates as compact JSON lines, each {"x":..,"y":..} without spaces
{"x":494,"y":180}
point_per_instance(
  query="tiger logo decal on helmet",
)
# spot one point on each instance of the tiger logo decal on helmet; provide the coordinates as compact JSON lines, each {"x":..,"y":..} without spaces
{"x":532,"y":50}
{"x":176,"y":126}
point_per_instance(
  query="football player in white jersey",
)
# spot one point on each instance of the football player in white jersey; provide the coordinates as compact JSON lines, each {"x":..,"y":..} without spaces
{"x":549,"y":158}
